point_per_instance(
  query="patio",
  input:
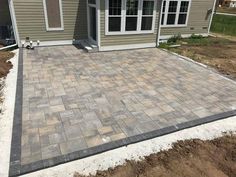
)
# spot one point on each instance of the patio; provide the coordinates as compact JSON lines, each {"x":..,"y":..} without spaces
{"x":74,"y":104}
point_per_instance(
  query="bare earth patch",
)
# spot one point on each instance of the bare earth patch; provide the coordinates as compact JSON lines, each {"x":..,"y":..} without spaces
{"x":5,"y":67}
{"x":226,"y":10}
{"x":195,"y":158}
{"x":217,"y":53}
{"x":224,"y":60}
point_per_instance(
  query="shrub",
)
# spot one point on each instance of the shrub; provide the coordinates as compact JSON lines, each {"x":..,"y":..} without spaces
{"x":194,"y":36}
{"x":164,"y":45}
{"x":174,"y":39}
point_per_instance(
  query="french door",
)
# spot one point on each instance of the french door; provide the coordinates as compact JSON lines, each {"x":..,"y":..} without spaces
{"x":92,"y":21}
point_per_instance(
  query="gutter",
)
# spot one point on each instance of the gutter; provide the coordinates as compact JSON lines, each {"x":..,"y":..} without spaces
{"x":213,"y":11}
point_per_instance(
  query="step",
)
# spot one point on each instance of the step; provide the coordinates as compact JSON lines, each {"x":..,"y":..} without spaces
{"x":90,"y":48}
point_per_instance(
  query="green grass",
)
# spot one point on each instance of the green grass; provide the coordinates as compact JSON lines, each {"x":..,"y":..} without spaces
{"x":194,"y":40}
{"x":190,"y":47}
{"x":224,"y":24}
{"x":197,"y":41}
{"x":206,"y":41}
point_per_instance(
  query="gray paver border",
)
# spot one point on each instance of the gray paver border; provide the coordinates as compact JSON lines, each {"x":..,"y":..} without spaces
{"x":17,"y":169}
{"x":15,"y":155}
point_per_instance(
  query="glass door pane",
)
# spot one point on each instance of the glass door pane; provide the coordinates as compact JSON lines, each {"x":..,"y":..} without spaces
{"x":92,"y":1}
{"x":131,"y":15}
{"x":92,"y":20}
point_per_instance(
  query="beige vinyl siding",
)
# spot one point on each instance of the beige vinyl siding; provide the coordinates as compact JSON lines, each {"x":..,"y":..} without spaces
{"x":198,"y":21}
{"x":109,"y":40}
{"x":31,"y":21}
{"x":5,"y":18}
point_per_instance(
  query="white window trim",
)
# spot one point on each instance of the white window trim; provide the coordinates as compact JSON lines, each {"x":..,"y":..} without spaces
{"x":46,"y":17}
{"x":123,"y":18}
{"x":177,"y":14}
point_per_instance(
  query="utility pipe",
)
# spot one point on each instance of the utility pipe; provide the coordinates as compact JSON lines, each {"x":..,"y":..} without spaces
{"x":7,"y":47}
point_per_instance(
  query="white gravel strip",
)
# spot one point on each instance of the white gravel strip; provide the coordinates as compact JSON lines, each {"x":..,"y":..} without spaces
{"x":6,"y":118}
{"x":136,"y":151}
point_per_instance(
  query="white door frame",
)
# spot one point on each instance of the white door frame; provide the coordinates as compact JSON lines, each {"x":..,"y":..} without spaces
{"x":88,"y":21}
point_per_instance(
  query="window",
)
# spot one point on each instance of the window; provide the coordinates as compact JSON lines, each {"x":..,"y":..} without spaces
{"x":147,"y":15}
{"x":130,"y":16}
{"x":183,"y":12}
{"x":175,"y":12}
{"x":171,"y":14}
{"x":163,"y":12}
{"x":114,"y":15}
{"x":53,"y":15}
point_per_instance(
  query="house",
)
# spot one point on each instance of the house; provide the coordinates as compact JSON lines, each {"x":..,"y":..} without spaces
{"x":232,"y":3}
{"x":108,"y":24}
{"x":227,"y":3}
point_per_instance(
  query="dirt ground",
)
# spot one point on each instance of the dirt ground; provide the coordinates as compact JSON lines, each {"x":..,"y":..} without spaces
{"x":232,"y":38}
{"x":217,"y":52}
{"x":190,"y":158}
{"x":226,"y":10}
{"x":5,"y":67}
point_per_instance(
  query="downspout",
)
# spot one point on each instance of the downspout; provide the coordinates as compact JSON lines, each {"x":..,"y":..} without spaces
{"x":8,"y":47}
{"x":13,"y":20}
{"x":212,"y":14}
{"x":98,"y":24}
{"x":159,"y":27}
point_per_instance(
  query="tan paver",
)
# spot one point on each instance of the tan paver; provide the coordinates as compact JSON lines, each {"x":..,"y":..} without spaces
{"x":74,"y":100}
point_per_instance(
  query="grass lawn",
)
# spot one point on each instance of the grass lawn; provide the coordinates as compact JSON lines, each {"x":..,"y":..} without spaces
{"x":224,"y":24}
{"x":218,"y":53}
{"x":226,"y":10}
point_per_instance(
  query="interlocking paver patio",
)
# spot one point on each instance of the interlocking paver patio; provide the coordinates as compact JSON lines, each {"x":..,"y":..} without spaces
{"x":74,"y":100}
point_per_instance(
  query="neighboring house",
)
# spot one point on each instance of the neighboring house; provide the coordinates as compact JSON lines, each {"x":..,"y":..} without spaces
{"x":227,"y":3}
{"x":108,"y":24}
{"x":232,"y":3}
